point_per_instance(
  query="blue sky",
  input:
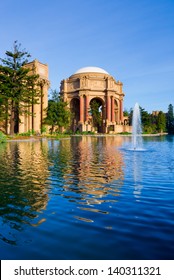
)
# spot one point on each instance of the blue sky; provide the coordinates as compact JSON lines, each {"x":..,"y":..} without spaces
{"x":133,"y":40}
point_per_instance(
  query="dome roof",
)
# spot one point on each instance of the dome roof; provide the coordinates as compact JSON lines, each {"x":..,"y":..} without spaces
{"x":91,"y":69}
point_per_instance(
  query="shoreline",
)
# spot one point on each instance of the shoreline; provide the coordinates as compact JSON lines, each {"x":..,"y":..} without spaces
{"x":124,"y":135}
{"x":36,"y":138}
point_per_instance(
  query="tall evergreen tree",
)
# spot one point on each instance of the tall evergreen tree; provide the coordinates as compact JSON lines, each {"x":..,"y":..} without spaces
{"x":145,"y":118}
{"x":18,"y":86}
{"x":2,"y":108}
{"x":170,"y":119}
{"x":161,"y":122}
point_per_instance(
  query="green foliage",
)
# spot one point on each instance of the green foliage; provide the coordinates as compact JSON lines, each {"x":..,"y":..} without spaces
{"x":28,"y":133}
{"x":161,"y":122}
{"x":3,"y":137}
{"x":125,"y":113}
{"x":170,"y":120}
{"x":68,"y":132}
{"x":145,"y":118}
{"x":57,"y":112}
{"x":96,"y":114}
{"x":58,"y":135}
{"x":125,"y":133}
{"x":2,"y":108}
{"x":85,"y":133}
{"x":151,"y":123}
{"x":18,"y":89}
{"x":43,"y":129}
{"x":88,"y":133}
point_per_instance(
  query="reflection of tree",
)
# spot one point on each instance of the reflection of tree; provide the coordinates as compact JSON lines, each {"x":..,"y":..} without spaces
{"x":59,"y":157}
{"x":23,"y":193}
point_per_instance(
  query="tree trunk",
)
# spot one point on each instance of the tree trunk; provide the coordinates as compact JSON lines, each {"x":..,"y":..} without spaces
{"x":12,"y":121}
{"x":6,"y":116}
{"x":52,"y":128}
{"x":16,"y":118}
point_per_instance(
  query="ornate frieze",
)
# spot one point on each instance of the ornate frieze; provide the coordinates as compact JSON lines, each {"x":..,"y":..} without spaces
{"x":73,"y":85}
{"x":97,"y":84}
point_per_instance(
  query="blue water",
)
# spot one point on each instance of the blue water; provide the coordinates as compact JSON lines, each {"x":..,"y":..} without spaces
{"x":87,"y":198}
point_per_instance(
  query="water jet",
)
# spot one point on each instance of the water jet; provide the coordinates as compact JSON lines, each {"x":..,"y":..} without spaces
{"x":137,"y":142}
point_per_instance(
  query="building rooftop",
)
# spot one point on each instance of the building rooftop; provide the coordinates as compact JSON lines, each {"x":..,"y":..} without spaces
{"x":91,"y":69}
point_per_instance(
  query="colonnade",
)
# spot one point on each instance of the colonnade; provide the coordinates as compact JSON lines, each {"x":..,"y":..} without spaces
{"x":109,"y":108}
{"x":86,"y":85}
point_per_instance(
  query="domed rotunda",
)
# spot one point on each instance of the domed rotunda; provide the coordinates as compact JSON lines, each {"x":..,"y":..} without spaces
{"x":95,"y":99}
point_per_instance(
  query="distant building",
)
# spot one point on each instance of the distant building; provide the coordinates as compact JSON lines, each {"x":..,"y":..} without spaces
{"x":93,"y":83}
{"x":155,"y":113}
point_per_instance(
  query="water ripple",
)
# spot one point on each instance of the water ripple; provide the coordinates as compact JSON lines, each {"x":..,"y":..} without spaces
{"x":114,"y":203}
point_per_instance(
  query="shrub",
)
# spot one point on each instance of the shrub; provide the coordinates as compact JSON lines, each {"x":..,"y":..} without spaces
{"x":43,"y":129}
{"x":28,"y":133}
{"x":3,"y":137}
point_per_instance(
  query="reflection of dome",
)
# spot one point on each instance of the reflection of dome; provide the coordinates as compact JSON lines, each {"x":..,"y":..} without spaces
{"x":91,"y":69}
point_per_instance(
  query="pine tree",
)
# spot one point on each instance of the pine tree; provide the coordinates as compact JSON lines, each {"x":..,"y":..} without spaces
{"x":18,"y":86}
{"x":170,"y":119}
{"x":161,"y":122}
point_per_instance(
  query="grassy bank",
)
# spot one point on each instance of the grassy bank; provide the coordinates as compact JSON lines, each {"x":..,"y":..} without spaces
{"x":3,"y":137}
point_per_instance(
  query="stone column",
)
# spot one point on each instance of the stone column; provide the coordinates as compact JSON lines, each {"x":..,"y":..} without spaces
{"x":81,"y":109}
{"x":112,"y":108}
{"x":108,"y":108}
{"x":87,"y":107}
{"x":121,"y":111}
{"x":45,"y":97}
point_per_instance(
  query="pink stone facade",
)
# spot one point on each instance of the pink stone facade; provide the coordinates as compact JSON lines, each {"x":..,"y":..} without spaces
{"x":34,"y":120}
{"x":81,"y":88}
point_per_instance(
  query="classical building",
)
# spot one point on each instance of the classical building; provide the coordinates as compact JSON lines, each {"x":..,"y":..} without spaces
{"x":34,"y":120}
{"x":89,"y":84}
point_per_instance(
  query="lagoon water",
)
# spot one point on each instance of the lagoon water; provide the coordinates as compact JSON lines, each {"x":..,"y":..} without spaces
{"x":87,"y":198}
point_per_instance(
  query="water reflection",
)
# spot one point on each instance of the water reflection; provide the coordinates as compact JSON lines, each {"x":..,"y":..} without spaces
{"x":86,"y":191}
{"x":23,"y":193}
{"x":137,"y":173}
{"x":84,"y":171}
{"x":91,"y":168}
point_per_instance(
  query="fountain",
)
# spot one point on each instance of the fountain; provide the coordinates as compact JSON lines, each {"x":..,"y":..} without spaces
{"x":137,"y":143}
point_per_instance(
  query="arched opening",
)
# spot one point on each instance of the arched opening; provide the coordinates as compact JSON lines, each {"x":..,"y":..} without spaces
{"x":75,"y":111}
{"x":116,"y":114}
{"x":97,"y":114}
